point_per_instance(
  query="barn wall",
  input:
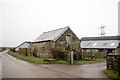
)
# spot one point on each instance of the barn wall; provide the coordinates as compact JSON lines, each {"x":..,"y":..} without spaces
{"x":62,"y":43}
{"x":23,"y":51}
{"x":112,"y":62}
{"x":93,"y":53}
{"x":60,"y":46}
{"x":117,"y":50}
{"x":42,"y":49}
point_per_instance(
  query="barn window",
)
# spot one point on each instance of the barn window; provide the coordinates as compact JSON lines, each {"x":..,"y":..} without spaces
{"x":112,"y":44}
{"x":69,"y":39}
{"x":94,"y":44}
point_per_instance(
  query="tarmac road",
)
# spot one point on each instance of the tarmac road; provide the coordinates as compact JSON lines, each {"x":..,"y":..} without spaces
{"x":0,"y":65}
{"x":16,"y":68}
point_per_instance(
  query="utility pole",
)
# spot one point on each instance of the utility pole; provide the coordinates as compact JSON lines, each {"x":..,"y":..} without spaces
{"x":102,"y":30}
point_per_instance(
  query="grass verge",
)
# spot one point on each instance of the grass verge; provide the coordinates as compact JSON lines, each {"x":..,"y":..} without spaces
{"x":89,"y":61}
{"x":112,"y":74}
{"x":35,"y":59}
{"x":41,"y":60}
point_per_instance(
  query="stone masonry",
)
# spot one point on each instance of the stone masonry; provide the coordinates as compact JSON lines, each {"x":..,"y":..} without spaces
{"x":112,"y":61}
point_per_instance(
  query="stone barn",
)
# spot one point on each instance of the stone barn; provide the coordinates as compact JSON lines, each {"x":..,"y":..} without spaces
{"x":55,"y":44}
{"x":0,"y":49}
{"x":100,"y":45}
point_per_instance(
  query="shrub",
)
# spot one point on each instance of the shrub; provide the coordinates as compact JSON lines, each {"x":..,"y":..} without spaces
{"x":112,"y":74}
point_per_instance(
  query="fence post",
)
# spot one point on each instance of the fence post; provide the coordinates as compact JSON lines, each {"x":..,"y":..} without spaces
{"x":71,"y":56}
{"x":119,"y":65}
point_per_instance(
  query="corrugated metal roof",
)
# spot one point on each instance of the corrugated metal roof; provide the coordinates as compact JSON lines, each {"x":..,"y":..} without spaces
{"x":100,"y":44}
{"x":101,"y":38}
{"x":51,"y":35}
{"x":23,"y":45}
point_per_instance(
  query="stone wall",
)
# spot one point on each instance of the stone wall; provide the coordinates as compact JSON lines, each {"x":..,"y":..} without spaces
{"x":60,"y":47}
{"x":41,"y":49}
{"x":112,"y":61}
{"x":23,"y":51}
{"x":93,"y":53}
{"x":62,"y":43}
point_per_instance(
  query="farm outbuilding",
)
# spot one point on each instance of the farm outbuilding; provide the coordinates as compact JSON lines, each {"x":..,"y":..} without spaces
{"x":22,"y":48}
{"x":100,"y":45}
{"x":54,"y":44}
{"x":0,"y":49}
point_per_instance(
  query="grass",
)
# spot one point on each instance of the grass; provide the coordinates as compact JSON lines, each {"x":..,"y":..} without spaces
{"x":53,"y":61}
{"x":89,"y":61}
{"x":112,"y":74}
{"x":36,"y":59}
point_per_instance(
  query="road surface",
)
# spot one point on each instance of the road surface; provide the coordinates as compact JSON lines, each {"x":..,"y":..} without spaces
{"x":0,"y":65}
{"x":16,"y":68}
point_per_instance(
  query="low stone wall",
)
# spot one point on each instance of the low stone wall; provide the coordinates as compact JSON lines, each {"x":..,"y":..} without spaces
{"x":23,"y":51}
{"x":42,"y":49}
{"x":113,"y":62}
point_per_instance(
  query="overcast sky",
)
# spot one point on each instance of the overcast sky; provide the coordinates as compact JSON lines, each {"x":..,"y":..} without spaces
{"x":25,"y":20}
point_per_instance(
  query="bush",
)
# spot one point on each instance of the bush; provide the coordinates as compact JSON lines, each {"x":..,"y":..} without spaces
{"x":112,"y":74}
{"x":12,"y":49}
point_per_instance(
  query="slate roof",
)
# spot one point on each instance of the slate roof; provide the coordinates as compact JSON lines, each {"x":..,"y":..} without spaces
{"x":51,"y":35}
{"x":101,"y":44}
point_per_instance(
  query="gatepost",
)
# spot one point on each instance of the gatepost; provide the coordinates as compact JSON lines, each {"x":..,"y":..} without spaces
{"x":119,"y":65}
{"x":71,"y":56}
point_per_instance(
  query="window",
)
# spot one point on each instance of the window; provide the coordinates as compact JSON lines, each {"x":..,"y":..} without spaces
{"x":112,"y":44}
{"x":69,"y":39}
{"x":94,"y":44}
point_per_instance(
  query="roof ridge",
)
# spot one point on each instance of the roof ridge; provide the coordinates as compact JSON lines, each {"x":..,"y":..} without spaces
{"x":56,"y":29}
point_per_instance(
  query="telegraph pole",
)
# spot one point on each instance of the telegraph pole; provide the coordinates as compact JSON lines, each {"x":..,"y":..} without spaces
{"x":102,"y":28}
